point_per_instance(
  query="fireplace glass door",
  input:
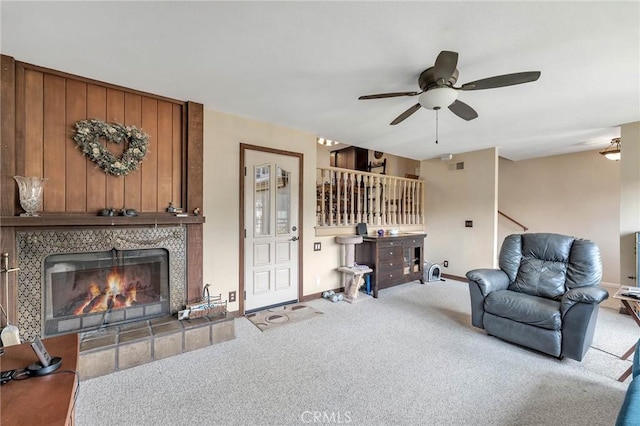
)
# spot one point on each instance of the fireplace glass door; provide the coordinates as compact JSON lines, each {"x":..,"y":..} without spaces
{"x":86,"y":291}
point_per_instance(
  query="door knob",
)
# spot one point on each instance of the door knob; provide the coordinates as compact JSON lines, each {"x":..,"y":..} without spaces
{"x":294,"y":238}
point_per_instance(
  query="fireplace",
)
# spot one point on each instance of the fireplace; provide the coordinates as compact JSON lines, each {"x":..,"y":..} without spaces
{"x":85,"y":279}
{"x":85,"y":291}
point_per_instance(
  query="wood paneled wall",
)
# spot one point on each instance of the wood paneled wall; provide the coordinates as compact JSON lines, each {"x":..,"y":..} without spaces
{"x":40,"y":107}
{"x":49,"y":103}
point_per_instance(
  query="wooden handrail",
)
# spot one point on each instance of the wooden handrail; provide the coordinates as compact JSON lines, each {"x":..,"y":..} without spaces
{"x":346,"y":197}
{"x":514,"y":221}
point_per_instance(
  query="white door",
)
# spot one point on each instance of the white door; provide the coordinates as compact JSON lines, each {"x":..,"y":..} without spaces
{"x":271,"y":244}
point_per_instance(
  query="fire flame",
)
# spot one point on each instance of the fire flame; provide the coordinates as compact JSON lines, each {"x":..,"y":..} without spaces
{"x":115,"y":294}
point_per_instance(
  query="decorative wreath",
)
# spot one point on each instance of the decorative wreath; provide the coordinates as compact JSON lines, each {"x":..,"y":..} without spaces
{"x":88,"y":134}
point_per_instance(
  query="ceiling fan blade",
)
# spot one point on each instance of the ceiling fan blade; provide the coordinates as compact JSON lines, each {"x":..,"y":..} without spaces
{"x":502,"y":80}
{"x":445,"y":66}
{"x":463,"y":110}
{"x":406,"y":114}
{"x":388,"y":95}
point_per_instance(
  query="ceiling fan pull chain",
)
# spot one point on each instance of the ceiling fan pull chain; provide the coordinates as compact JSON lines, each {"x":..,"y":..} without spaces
{"x":437,"y":124}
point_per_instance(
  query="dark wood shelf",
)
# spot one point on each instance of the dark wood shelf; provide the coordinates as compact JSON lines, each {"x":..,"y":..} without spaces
{"x":83,"y":219}
{"x":395,"y":259}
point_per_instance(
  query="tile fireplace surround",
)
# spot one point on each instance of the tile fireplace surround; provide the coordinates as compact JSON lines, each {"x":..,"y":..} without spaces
{"x":117,"y":347}
{"x":35,"y":246}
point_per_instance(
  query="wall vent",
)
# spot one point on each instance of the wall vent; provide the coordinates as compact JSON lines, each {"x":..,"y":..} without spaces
{"x":455,"y":166}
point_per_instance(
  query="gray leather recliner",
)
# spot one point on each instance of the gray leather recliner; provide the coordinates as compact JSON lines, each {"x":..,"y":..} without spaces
{"x":545,"y":295}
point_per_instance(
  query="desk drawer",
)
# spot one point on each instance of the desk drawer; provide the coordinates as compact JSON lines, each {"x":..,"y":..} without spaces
{"x":391,"y":264}
{"x":414,"y":242}
{"x":390,"y":278}
{"x":390,"y":252}
{"x":385,"y":244}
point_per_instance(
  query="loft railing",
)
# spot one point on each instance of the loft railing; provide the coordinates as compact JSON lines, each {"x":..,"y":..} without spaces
{"x":346,"y":197}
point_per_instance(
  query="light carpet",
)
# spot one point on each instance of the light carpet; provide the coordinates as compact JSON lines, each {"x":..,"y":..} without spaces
{"x":269,"y":319}
{"x":410,"y":357}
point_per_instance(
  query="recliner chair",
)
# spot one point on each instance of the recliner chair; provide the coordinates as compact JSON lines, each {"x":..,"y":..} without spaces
{"x":545,"y":295}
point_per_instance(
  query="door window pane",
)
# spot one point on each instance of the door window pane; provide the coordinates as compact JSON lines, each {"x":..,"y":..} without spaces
{"x":261,"y":196}
{"x":283,"y":199}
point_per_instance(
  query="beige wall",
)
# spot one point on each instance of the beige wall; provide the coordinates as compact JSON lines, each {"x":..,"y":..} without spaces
{"x":451,"y":197}
{"x":629,"y":200}
{"x":323,"y":155}
{"x":573,"y":194}
{"x":223,"y":134}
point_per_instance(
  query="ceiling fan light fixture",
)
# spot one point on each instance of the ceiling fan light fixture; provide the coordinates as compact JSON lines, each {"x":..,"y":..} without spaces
{"x":438,"y":97}
{"x":612,"y":152}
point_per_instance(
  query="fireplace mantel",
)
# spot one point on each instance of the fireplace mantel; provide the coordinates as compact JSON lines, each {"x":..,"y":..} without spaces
{"x":83,"y":219}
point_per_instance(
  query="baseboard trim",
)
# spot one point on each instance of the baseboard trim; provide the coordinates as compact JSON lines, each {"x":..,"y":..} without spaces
{"x":455,"y":278}
{"x":314,"y":296}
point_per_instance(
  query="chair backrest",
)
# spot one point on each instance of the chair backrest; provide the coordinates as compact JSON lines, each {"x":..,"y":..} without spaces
{"x":547,"y":265}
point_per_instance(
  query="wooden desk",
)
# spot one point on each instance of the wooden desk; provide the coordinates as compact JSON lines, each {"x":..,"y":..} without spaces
{"x":629,"y":303}
{"x":46,"y":400}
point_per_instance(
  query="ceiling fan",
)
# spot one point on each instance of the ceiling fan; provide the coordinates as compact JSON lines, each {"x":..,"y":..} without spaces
{"x":437,"y":90}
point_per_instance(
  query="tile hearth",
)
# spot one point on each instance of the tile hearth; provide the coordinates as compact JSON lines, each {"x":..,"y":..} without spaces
{"x":117,"y":348}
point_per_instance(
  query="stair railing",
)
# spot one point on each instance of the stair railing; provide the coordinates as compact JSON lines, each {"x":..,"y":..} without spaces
{"x":524,"y":228}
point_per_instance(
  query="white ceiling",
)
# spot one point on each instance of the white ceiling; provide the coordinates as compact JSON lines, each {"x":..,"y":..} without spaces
{"x":304,"y":64}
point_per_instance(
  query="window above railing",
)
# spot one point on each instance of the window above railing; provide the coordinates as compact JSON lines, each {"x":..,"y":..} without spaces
{"x":346,"y":197}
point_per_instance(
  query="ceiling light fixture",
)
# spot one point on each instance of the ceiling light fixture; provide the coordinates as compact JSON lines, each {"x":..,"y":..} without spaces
{"x":439,"y":97}
{"x":327,"y":142}
{"x":613,"y":151}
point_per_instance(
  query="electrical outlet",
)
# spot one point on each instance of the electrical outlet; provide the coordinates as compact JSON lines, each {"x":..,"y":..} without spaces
{"x":317,"y":281}
{"x":317,"y":246}
{"x":232,"y":296}
{"x":468,"y":224}
{"x":445,"y":263}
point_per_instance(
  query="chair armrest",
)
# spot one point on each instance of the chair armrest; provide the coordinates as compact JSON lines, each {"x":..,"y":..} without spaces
{"x":489,"y":280}
{"x":592,"y":295}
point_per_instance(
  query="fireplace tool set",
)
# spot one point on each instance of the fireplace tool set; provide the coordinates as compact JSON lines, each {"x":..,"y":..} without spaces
{"x":208,"y":305}
{"x":10,"y":334}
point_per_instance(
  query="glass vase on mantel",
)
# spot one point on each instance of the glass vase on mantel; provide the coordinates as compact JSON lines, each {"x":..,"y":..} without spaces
{"x":30,"y":194}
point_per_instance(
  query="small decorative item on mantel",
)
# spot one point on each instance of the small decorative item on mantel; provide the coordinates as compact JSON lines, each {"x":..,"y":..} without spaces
{"x":107,"y":212}
{"x":173,"y":209}
{"x":30,"y":194}
{"x":128,"y":212}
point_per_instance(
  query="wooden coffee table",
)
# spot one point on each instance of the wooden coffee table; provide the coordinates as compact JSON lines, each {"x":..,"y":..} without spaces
{"x":46,"y":400}
{"x":633,"y":308}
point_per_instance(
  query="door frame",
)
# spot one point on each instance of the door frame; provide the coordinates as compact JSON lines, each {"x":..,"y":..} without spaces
{"x":241,"y":229}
